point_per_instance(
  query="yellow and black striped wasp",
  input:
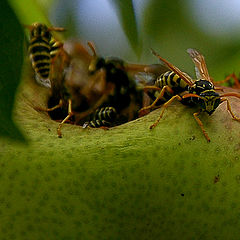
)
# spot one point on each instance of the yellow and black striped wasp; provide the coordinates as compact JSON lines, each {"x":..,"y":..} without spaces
{"x":43,"y":48}
{"x":49,"y":61}
{"x":176,"y":84}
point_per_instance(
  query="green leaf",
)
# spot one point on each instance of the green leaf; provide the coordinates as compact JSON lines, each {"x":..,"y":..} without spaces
{"x":11,"y":59}
{"x":29,"y":11}
{"x":127,"y":18}
{"x":171,"y":28}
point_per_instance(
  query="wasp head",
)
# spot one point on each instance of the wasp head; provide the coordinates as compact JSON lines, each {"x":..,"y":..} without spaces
{"x":209,"y":101}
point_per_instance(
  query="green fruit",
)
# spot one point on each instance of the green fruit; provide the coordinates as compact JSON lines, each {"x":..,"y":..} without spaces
{"x":128,"y":182}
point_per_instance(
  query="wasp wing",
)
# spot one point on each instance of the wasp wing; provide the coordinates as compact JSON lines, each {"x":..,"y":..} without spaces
{"x":200,"y":64}
{"x":156,"y":69}
{"x":77,"y":50}
{"x":176,"y":70}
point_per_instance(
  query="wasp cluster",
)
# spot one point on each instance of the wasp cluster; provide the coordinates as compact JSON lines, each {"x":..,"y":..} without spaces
{"x":86,"y":89}
{"x":93,"y":91}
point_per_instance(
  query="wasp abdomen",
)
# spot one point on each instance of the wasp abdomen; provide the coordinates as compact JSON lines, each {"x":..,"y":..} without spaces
{"x":103,"y":117}
{"x":40,"y":56}
{"x":42,"y":48}
{"x":106,"y":113}
{"x":98,"y":123}
{"x":172,"y":80}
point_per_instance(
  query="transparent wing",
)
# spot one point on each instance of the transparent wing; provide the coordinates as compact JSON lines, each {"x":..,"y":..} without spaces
{"x":156,"y":69}
{"x":77,"y":50}
{"x":200,"y":64}
{"x":144,"y":79}
{"x":182,"y":75}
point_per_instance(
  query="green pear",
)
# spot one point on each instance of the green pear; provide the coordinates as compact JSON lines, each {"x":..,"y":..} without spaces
{"x":128,"y":182}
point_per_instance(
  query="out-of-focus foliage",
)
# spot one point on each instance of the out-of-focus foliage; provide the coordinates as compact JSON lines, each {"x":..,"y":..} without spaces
{"x":29,"y":11}
{"x":170,"y":28}
{"x":127,"y":17}
{"x":11,"y":59}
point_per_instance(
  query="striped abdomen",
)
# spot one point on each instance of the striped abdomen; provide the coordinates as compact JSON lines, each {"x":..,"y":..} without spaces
{"x":39,"y":50}
{"x":171,"y":80}
{"x":103,"y":117}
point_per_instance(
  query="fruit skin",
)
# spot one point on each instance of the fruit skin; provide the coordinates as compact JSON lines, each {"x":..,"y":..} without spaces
{"x":127,"y":182}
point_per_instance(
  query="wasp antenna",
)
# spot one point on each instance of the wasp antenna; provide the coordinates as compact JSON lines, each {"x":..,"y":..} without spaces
{"x":158,"y":56}
{"x":154,"y":53}
{"x":92,"y":47}
{"x":182,"y":75}
{"x":57,"y":29}
{"x":30,"y":27}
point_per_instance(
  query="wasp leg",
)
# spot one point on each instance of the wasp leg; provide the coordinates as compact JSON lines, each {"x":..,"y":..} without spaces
{"x":230,"y":109}
{"x":49,"y":109}
{"x":146,"y":88}
{"x":228,"y":78}
{"x":70,"y":114}
{"x":165,"y":105}
{"x":165,"y":88}
{"x":201,"y":125}
{"x":218,"y":89}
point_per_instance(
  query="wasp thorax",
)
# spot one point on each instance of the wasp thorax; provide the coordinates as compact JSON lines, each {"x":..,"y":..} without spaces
{"x":209,"y":101}
{"x":40,"y":31}
{"x":200,"y":86}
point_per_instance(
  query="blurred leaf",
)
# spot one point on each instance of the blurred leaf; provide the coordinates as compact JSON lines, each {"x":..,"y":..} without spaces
{"x":127,"y":18}
{"x":46,"y":4}
{"x":64,"y":14}
{"x":11,"y":59}
{"x":171,"y":28}
{"x":29,"y":11}
{"x":226,"y":62}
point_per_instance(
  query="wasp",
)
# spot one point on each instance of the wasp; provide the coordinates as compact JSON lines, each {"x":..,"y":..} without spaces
{"x":43,"y":48}
{"x":176,"y":84}
{"x":122,"y":96}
